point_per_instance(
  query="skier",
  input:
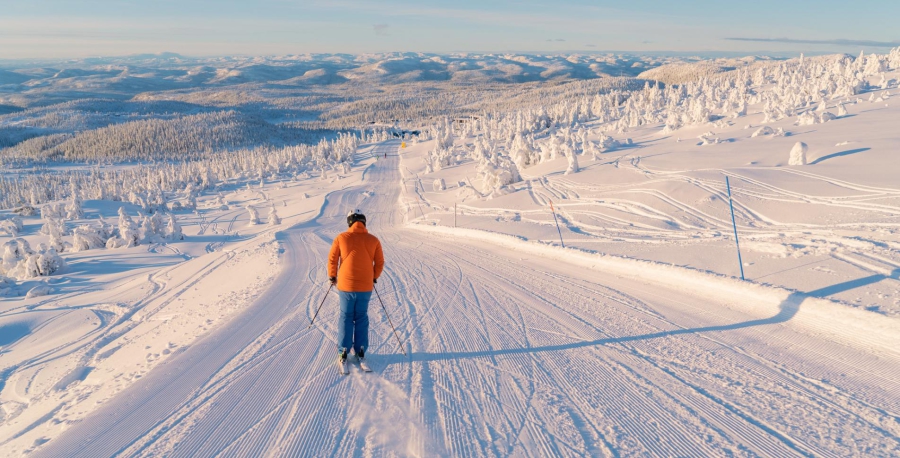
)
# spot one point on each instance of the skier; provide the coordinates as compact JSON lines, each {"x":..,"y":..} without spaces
{"x":354,"y":265}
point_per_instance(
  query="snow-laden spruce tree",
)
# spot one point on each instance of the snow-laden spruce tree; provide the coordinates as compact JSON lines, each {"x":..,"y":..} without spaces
{"x":893,"y":58}
{"x":11,"y":227}
{"x":53,"y":211}
{"x":56,"y":229}
{"x":274,"y":219}
{"x":842,"y":111}
{"x":20,"y":262}
{"x":497,"y":171}
{"x":173,"y":229}
{"x":573,"y":161}
{"x":89,"y":237}
{"x":129,"y":232}
{"x":73,"y":209}
{"x":254,"y":216}
{"x":14,"y":251}
{"x":522,"y":153}
{"x":798,"y":154}
{"x":151,"y":228}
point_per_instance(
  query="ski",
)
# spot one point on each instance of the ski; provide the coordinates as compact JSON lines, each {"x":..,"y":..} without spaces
{"x":343,"y":367}
{"x":364,"y":365}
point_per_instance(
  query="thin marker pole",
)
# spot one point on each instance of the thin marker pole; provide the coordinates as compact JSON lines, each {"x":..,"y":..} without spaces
{"x":557,"y":224}
{"x":734,"y":225}
{"x":420,"y":207}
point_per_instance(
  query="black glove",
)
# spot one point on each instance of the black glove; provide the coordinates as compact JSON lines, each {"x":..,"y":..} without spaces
{"x":333,"y":280}
{"x":374,"y":280}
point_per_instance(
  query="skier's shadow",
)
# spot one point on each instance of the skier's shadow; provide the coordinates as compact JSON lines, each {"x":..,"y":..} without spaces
{"x":786,"y":311}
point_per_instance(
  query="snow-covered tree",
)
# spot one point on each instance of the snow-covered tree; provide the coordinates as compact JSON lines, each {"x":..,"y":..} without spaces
{"x":274,"y":219}
{"x":254,"y":216}
{"x":798,"y":154}
{"x":173,"y":229}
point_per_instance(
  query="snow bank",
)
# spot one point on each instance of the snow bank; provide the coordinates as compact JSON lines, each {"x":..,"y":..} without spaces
{"x":852,"y":327}
{"x":811,"y":118}
{"x":6,"y":285}
{"x":38,"y":291}
{"x":765,"y":130}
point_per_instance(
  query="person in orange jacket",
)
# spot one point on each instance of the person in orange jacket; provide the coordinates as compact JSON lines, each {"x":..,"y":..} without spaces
{"x":354,"y":265}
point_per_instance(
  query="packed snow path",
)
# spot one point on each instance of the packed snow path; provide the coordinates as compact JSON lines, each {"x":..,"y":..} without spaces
{"x":510,"y":354}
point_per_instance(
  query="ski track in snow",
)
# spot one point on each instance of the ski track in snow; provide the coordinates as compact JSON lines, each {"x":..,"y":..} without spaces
{"x":510,"y":354}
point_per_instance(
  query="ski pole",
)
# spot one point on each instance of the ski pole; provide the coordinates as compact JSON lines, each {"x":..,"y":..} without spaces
{"x":320,"y":307}
{"x":389,"y":321}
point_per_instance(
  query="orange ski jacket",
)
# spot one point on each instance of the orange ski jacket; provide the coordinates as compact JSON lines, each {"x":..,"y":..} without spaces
{"x":355,"y":259}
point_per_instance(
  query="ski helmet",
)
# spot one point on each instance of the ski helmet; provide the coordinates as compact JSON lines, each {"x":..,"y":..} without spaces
{"x":355,"y":216}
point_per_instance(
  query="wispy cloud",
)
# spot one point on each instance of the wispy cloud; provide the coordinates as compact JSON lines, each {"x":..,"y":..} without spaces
{"x":556,"y":39}
{"x":381,"y":30}
{"x":840,"y":42}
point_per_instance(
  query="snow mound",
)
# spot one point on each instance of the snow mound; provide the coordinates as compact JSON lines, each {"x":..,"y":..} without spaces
{"x":38,"y":291}
{"x":762,"y":131}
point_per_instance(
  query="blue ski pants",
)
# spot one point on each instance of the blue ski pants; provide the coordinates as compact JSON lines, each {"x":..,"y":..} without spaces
{"x":353,"y":327}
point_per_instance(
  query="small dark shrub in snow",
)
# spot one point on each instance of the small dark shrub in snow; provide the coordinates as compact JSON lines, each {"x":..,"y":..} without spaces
{"x":25,"y":210}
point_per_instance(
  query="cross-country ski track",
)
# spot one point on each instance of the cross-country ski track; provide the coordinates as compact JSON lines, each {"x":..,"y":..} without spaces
{"x":510,"y":354}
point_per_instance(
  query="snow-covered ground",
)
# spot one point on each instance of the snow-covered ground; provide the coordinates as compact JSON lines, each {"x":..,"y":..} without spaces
{"x":515,"y":348}
{"x":637,"y":338}
{"x":112,"y":315}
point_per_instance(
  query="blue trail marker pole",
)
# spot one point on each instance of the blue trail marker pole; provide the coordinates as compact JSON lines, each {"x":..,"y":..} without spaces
{"x":557,"y":224}
{"x":734,"y":225}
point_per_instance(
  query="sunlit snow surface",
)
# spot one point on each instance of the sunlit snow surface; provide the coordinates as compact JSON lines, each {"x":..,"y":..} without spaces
{"x":635,"y":339}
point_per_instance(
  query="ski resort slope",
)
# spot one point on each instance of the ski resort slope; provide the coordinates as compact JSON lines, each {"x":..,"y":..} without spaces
{"x":511,"y":351}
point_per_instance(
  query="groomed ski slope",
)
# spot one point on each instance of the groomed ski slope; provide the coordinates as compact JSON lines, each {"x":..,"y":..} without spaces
{"x":522,"y":352}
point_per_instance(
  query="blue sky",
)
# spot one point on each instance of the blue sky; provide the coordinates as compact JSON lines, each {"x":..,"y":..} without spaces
{"x":79,"y":28}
